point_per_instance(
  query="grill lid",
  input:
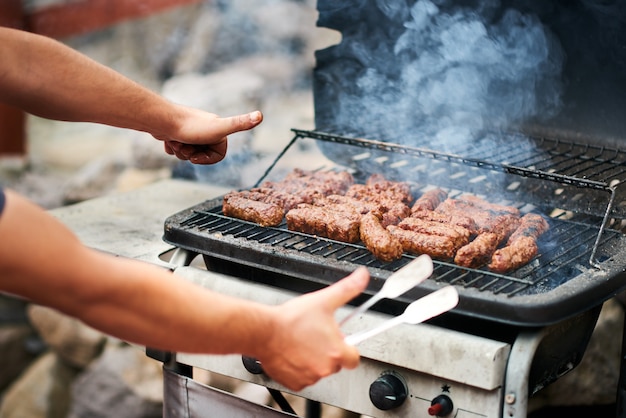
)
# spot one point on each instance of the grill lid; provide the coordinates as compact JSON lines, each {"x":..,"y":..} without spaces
{"x":442,"y":66}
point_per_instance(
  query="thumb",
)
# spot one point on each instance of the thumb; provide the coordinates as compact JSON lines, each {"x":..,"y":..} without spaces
{"x":238,"y":123}
{"x":342,"y":292}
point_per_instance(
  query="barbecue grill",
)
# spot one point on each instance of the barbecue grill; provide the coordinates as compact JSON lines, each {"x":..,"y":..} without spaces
{"x":577,"y":255}
{"x":534,"y":323}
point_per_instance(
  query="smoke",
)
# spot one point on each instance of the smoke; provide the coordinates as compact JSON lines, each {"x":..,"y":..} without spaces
{"x":458,"y":71}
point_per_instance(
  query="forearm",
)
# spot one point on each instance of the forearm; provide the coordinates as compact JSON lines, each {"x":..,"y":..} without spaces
{"x":49,"y":79}
{"x":46,"y":78}
{"x":298,"y":342}
{"x":44,"y":262}
{"x":150,"y":306}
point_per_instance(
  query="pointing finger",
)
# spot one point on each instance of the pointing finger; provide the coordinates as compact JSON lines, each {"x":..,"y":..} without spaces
{"x":232,"y":124}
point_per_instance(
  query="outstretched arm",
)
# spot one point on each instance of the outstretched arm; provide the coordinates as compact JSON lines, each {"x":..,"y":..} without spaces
{"x":48,"y":79}
{"x":298,"y":342}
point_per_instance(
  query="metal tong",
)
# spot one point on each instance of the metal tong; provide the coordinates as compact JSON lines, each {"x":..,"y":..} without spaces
{"x":395,"y":285}
{"x":421,"y":310}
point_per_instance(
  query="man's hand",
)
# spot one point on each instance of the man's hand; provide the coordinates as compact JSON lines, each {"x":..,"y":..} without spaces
{"x":202,"y":137}
{"x":47,"y":78}
{"x":307,"y":344}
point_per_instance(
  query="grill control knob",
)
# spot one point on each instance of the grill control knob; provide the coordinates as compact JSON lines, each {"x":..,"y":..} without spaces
{"x":388,"y":391}
{"x":441,"y":406}
{"x":252,"y":365}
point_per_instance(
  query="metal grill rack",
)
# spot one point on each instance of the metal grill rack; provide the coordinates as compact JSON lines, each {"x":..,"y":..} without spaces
{"x":557,"y":264}
{"x":552,"y":287}
{"x":583,"y":178}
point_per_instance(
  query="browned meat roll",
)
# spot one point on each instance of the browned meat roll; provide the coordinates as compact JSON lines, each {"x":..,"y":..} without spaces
{"x":322,"y":221}
{"x":392,"y":215}
{"x":530,"y":225}
{"x":379,"y":240}
{"x":459,"y":234}
{"x":514,"y":256}
{"x":478,"y":252}
{"x":358,"y":205}
{"x":436,"y":246}
{"x":451,"y":219}
{"x":429,"y":200}
{"x":264,"y":214}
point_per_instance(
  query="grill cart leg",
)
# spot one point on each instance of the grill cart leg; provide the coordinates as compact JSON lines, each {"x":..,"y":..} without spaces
{"x":517,"y":374}
{"x":313,"y":409}
{"x":182,"y":258}
{"x":541,"y":356}
{"x":620,"y":405}
{"x":184,"y":397}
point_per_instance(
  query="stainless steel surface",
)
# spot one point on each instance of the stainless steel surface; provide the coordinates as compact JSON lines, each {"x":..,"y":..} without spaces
{"x":187,"y":398}
{"x":130,"y":224}
{"x":427,"y":357}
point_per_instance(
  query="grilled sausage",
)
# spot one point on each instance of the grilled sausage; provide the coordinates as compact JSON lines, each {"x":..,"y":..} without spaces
{"x":459,"y":234}
{"x":450,"y":219}
{"x":530,"y":225}
{"x":277,"y":197}
{"x":264,"y":214}
{"x":381,"y":191}
{"x":488,"y":206}
{"x":478,"y":252}
{"x":429,"y":200}
{"x":392,"y":215}
{"x":322,"y":221}
{"x":379,"y":240}
{"x":322,"y":182}
{"x":513,"y":256}
{"x":521,"y":246}
{"x":436,"y":246}
{"x":360,"y":206}
{"x":502,"y":222}
{"x":395,"y":190}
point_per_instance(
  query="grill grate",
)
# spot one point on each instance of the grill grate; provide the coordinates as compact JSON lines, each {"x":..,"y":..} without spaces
{"x":547,"y":165}
{"x":557,"y":284}
{"x":556,"y":265}
{"x":580,"y":165}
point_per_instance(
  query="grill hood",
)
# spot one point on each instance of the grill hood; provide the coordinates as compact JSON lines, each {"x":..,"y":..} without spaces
{"x":448,"y":70}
